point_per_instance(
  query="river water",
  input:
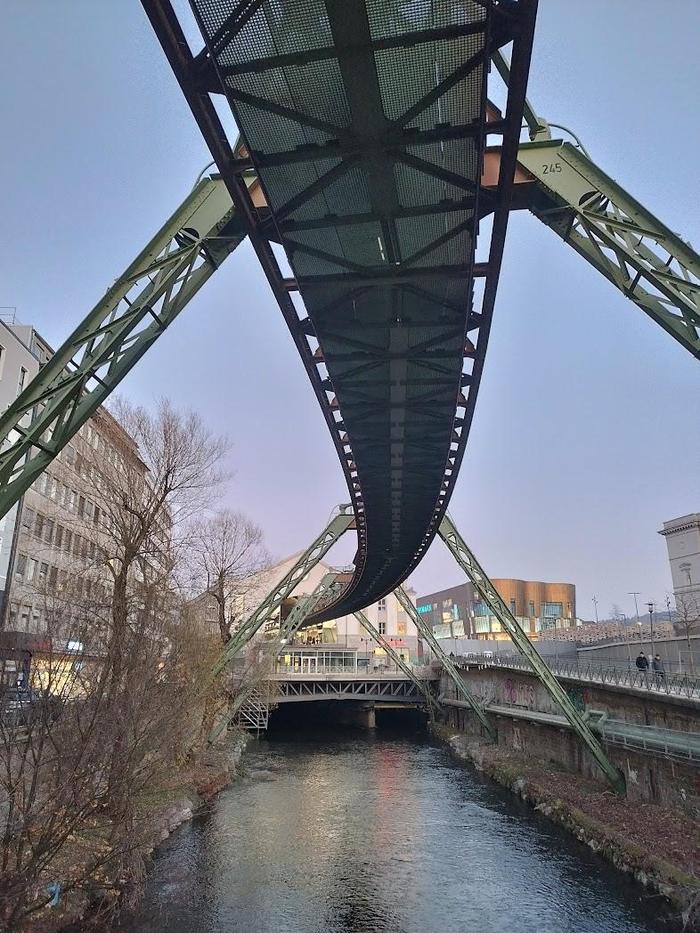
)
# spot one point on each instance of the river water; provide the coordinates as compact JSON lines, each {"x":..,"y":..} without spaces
{"x":347,"y":832}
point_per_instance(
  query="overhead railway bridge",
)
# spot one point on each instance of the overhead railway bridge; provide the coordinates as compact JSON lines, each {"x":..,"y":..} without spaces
{"x":371,"y":153}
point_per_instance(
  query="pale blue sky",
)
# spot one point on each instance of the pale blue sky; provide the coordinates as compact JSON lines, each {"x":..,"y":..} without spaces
{"x":586,"y":432}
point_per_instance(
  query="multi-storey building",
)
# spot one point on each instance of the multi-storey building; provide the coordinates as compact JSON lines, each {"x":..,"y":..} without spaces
{"x":60,"y":540}
{"x":683,"y":542}
{"x":539,"y":607}
{"x":345,"y":633}
{"x":22,"y":353}
{"x":53,"y":536}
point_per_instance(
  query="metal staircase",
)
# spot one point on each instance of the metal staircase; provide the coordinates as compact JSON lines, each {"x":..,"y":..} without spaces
{"x":253,"y":714}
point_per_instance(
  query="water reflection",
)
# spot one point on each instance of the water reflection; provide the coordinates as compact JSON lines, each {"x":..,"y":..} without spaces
{"x":344,"y":833}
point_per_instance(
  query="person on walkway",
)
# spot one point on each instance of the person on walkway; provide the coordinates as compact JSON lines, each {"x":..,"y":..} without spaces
{"x":642,"y":661}
{"x":658,"y":669}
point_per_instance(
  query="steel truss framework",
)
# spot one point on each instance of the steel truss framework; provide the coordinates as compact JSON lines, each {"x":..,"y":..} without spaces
{"x":423,"y":685}
{"x":400,"y":691}
{"x":337,"y":526}
{"x":130,"y":317}
{"x":322,"y":149}
{"x":649,"y":263}
{"x":469,"y":564}
{"x":452,"y":672}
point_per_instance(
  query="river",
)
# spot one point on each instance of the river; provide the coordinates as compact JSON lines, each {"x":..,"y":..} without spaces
{"x":348,"y":832}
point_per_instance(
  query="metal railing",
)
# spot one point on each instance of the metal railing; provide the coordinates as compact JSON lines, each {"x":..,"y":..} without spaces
{"x":655,"y":682}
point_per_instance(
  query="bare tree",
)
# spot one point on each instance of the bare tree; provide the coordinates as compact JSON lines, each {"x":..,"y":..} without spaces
{"x":688,"y":621}
{"x":228,"y":551}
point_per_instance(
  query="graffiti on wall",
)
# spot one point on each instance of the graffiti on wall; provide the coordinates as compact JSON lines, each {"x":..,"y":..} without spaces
{"x":519,"y":693}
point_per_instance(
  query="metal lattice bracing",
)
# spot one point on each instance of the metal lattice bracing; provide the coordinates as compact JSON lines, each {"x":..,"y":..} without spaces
{"x":130,"y":317}
{"x":487,"y":591}
{"x":365,"y":122}
{"x":649,"y":263}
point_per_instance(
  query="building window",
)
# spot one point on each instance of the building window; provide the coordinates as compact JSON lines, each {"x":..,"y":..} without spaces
{"x":53,"y":577}
{"x":481,"y":609}
{"x":381,"y":626}
{"x":532,"y":609}
{"x":81,"y":507}
{"x":552,"y":610}
{"x":67,"y":540}
{"x":512,"y":606}
{"x":58,"y":541}
{"x":22,"y":379}
{"x":43,"y":572}
{"x":381,"y":604}
{"x":28,"y":516}
{"x":48,"y":535}
{"x":31,"y":570}
{"x":39,"y":525}
{"x":2,"y":360}
{"x":21,"y":568}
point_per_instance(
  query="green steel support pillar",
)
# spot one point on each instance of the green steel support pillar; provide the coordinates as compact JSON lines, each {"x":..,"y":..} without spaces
{"x":427,"y":634}
{"x":647,"y":261}
{"x":130,"y":317}
{"x":338,"y":525}
{"x":423,"y":686}
{"x":328,"y":587}
{"x":469,"y":564}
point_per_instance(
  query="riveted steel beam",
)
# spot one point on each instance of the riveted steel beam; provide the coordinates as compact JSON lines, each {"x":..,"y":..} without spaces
{"x":328,"y":588}
{"x":423,"y":685}
{"x":469,"y":564}
{"x":427,"y":634}
{"x":102,"y":349}
{"x":643,"y":258}
{"x":337,"y":526}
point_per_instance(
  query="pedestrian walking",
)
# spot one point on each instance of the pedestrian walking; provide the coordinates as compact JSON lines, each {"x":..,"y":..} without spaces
{"x":658,"y":668}
{"x":642,"y":661}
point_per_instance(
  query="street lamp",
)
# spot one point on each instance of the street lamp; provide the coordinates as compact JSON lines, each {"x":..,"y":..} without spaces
{"x":650,"y":607}
{"x":595,"y":608}
{"x":635,"y":593}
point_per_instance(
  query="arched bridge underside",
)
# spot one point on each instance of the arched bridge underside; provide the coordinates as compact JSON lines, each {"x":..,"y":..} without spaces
{"x":366,"y":123}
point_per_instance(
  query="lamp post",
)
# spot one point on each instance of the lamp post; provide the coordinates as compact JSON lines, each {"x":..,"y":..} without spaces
{"x":650,"y":607}
{"x":635,"y":593}
{"x":595,"y":608}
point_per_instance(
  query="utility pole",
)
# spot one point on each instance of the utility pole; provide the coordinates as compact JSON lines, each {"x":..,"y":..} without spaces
{"x":635,"y":593}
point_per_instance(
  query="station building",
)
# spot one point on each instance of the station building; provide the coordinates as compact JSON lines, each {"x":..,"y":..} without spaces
{"x":459,"y":612}
{"x":683,"y":543}
{"x":341,"y":642}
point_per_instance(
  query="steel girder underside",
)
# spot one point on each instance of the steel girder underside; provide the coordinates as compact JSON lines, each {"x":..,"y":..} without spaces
{"x":365,"y":121}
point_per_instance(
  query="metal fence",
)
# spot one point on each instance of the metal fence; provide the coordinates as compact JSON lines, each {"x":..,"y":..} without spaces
{"x":655,"y":682}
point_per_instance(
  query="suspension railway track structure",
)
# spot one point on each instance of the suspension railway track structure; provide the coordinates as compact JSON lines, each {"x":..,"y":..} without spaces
{"x":371,"y":153}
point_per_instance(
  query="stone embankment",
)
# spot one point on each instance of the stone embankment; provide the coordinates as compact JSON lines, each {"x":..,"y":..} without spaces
{"x":657,"y":845}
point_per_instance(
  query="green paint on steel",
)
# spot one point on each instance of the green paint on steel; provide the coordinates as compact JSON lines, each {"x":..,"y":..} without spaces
{"x":423,"y":685}
{"x":469,"y":564}
{"x":131,"y":316}
{"x":647,"y":261}
{"x":327,"y":588}
{"x":337,"y":526}
{"x":427,"y":634}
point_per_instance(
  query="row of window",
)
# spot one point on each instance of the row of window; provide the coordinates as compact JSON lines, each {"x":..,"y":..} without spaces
{"x":63,"y":539}
{"x":43,"y":575}
{"x":69,"y":499}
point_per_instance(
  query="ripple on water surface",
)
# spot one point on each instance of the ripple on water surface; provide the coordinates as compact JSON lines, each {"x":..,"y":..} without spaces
{"x":345,"y":833}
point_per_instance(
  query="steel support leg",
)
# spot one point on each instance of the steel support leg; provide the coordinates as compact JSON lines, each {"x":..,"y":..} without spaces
{"x":130,"y":317}
{"x":328,"y":587}
{"x":267,"y":608}
{"x":423,"y":686}
{"x":469,"y":564}
{"x":427,"y":634}
{"x":647,"y":261}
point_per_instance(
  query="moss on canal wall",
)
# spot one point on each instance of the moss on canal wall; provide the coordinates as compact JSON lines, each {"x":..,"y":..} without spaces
{"x":606,"y":823}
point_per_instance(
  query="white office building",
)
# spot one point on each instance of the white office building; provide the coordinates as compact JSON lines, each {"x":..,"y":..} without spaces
{"x":683,"y":542}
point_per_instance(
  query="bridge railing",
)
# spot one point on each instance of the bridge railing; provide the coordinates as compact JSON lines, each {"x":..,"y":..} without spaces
{"x":686,"y":685}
